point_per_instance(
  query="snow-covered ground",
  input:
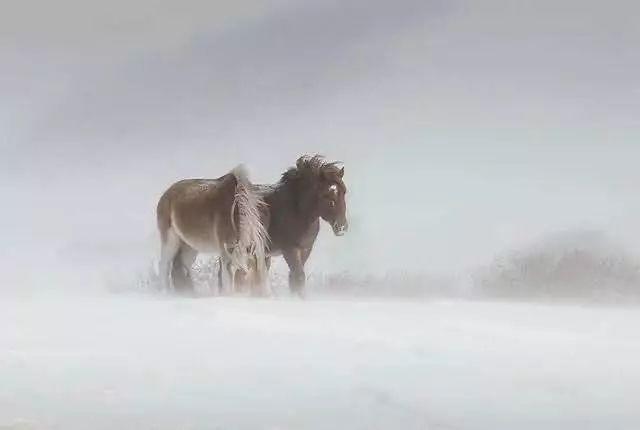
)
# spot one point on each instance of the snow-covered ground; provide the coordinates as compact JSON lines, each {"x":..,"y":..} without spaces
{"x":142,"y":362}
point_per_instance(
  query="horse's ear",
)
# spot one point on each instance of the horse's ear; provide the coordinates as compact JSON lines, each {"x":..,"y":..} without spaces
{"x":341,"y":173}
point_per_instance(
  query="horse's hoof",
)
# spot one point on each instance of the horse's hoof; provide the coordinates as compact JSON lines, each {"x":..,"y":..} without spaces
{"x":186,"y":294}
{"x":301,"y":294}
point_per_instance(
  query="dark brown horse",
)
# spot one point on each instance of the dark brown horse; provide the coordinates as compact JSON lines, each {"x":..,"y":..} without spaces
{"x":311,"y":190}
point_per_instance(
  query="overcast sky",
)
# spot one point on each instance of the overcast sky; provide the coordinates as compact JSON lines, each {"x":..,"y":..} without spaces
{"x":466,"y":127}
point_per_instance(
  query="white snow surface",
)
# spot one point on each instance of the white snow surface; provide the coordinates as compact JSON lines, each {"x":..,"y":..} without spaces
{"x":143,"y":362}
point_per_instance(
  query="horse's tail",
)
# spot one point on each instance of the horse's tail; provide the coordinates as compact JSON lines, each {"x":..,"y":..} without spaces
{"x":253,"y":238}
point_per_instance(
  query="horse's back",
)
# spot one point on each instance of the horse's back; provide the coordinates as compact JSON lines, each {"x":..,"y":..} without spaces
{"x":195,"y":207}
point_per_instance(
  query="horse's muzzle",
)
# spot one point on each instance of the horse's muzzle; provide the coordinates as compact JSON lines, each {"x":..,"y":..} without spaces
{"x":339,"y":229}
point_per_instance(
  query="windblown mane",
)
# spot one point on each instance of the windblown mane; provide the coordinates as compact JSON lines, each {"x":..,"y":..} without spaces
{"x":308,"y":167}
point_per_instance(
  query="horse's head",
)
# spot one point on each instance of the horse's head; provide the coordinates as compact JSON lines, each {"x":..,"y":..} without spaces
{"x":328,"y":190}
{"x":332,"y":205}
{"x":320,"y":190}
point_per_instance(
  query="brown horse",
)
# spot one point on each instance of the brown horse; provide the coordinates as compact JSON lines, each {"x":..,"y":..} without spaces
{"x":219,"y":216}
{"x":311,"y":190}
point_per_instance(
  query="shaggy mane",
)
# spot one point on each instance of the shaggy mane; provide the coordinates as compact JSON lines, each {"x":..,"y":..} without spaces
{"x":310,"y":167}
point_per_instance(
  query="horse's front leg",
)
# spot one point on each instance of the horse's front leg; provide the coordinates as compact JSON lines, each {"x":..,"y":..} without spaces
{"x":297,"y":277}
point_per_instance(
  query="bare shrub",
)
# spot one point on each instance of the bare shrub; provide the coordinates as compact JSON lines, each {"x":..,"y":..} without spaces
{"x":569,"y":265}
{"x":391,"y":284}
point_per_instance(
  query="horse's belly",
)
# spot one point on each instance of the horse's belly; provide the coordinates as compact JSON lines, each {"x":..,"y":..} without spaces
{"x":202,"y":240}
{"x":204,"y":246}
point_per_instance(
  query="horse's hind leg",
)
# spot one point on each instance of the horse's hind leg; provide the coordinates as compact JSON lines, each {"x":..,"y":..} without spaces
{"x":226,"y":275}
{"x":220,"y":274}
{"x":259,"y":278}
{"x":168,"y":252}
{"x":181,"y":269}
{"x":241,"y":281}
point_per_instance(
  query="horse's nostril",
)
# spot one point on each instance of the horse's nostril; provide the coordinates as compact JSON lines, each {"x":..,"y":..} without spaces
{"x":339,"y":229}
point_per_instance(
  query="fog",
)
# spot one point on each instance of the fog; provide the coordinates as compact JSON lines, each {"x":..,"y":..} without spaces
{"x":469,"y":131}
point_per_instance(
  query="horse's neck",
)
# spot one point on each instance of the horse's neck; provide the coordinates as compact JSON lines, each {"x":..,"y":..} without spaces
{"x":284,"y":201}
